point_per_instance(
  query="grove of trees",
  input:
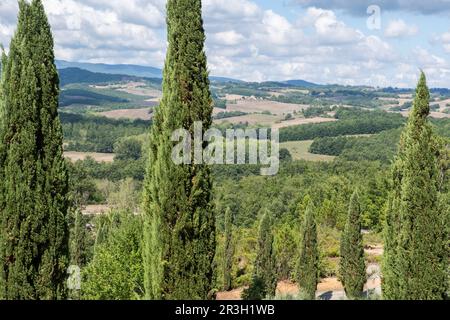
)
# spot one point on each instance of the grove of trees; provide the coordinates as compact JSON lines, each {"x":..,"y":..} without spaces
{"x":183,"y":232}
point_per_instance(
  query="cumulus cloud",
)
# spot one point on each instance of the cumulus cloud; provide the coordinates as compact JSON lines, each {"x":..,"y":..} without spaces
{"x":399,"y":29}
{"x":244,"y":40}
{"x":444,"y":40}
{"x":359,"y":7}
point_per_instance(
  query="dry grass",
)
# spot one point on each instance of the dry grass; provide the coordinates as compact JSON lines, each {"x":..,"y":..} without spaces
{"x":302,"y":121}
{"x":252,"y":119}
{"x":99,"y":157}
{"x":252,"y":105}
{"x":135,"y":88}
{"x":97,"y":209}
{"x":133,"y":114}
{"x":436,"y":115}
{"x":300,"y":151}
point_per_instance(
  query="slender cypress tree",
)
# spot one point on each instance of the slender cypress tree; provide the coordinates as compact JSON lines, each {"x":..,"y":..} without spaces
{"x":415,"y":259}
{"x":308,"y":274}
{"x":352,"y":265}
{"x":33,"y":192}
{"x":264,"y":281}
{"x":179,"y":232}
{"x":228,"y":250}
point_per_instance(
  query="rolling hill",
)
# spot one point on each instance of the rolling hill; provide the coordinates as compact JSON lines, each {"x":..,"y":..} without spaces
{"x":124,"y":69}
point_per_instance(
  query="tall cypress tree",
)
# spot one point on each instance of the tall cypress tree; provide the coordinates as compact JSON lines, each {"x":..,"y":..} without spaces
{"x":228,"y":250}
{"x":352,"y":264}
{"x":33,"y":192}
{"x":179,"y":233}
{"x":264,"y":281}
{"x":308,"y":274}
{"x":415,"y":259}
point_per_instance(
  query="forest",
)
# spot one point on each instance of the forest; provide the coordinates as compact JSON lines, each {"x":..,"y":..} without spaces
{"x":359,"y":209}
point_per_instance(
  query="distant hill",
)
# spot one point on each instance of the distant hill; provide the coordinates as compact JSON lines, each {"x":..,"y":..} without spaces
{"x":124,"y":69}
{"x":302,"y":83}
{"x":77,"y":75}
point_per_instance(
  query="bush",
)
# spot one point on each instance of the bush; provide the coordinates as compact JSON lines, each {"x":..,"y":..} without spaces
{"x":116,"y":270}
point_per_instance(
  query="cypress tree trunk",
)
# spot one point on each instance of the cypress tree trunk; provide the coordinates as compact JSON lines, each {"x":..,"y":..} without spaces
{"x":308,"y":275}
{"x":415,"y":260}
{"x":264,"y":280}
{"x":352,"y":265}
{"x":33,"y":192}
{"x":228,"y":250}
{"x":179,"y":233}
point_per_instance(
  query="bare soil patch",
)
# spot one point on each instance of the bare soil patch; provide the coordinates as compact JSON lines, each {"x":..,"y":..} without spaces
{"x":133,"y":114}
{"x":97,"y":209}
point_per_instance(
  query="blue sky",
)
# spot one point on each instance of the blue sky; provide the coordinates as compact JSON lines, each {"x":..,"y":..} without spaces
{"x":324,"y":41}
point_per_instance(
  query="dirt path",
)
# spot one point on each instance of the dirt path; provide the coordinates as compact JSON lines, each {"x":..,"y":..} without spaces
{"x":328,"y":289}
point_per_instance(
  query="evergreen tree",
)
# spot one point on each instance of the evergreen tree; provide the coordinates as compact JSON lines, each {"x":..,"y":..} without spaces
{"x":33,"y":192}
{"x":179,"y":237}
{"x":228,"y":250}
{"x":415,"y":260}
{"x":352,"y":265}
{"x":308,"y":274}
{"x":265,"y":265}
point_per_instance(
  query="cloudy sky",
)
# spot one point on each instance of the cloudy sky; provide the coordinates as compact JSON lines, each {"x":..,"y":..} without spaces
{"x":324,"y":41}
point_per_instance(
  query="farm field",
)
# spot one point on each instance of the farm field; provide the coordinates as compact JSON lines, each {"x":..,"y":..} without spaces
{"x":436,"y":115}
{"x":302,"y":121}
{"x":300,"y":151}
{"x":252,"y":105}
{"x":252,"y":119}
{"x":99,"y":157}
{"x":133,"y":114}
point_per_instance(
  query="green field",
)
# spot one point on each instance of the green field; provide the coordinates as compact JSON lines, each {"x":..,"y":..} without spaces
{"x":300,"y":151}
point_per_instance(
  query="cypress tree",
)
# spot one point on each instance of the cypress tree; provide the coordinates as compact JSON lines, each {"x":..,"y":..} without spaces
{"x":264,"y":281}
{"x":33,"y":192}
{"x":308,"y":274}
{"x":415,"y":260}
{"x":228,"y":250}
{"x":352,"y":265}
{"x":179,"y":237}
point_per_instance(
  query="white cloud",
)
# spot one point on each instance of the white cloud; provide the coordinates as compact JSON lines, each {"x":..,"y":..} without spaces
{"x":398,"y":29}
{"x":444,"y":40}
{"x":329,"y":29}
{"x":244,"y":40}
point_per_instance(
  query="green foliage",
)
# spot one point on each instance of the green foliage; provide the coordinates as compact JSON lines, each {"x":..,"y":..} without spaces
{"x":308,"y":272}
{"x":379,"y":147}
{"x":81,"y":241}
{"x":332,"y":146}
{"x":128,"y":149}
{"x":286,"y":250}
{"x":229,"y":114}
{"x":179,"y":232}
{"x":315,"y":111}
{"x":352,"y":265}
{"x":219,"y":103}
{"x":416,"y":240}
{"x":228,"y":250}
{"x":86,"y":133}
{"x":256,"y":291}
{"x":368,"y":122}
{"x":34,"y":246}
{"x":77,"y":75}
{"x":86,"y":97}
{"x":116,"y":270}
{"x":285,"y":155}
{"x":265,"y":264}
